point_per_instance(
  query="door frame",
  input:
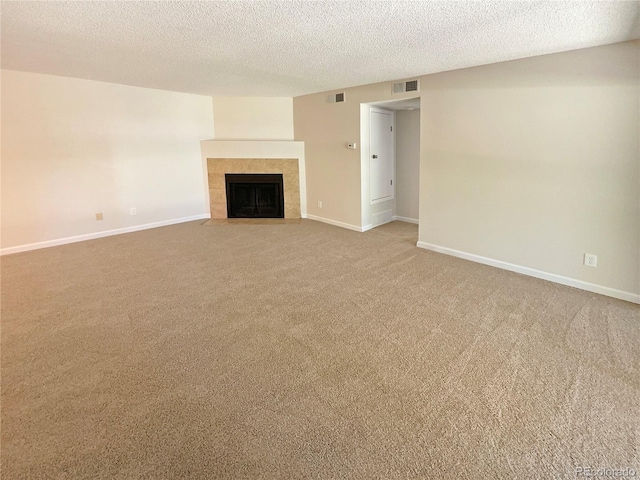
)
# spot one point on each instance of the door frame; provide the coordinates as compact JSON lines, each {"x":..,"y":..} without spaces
{"x":365,"y":163}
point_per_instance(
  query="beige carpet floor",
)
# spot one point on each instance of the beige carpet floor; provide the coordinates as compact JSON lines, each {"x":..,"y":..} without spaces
{"x":306,"y":351}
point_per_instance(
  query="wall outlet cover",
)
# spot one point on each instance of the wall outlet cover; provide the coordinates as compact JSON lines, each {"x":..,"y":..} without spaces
{"x":590,"y":260}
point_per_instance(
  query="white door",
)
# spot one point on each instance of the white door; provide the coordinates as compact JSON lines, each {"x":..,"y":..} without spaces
{"x":381,"y":162}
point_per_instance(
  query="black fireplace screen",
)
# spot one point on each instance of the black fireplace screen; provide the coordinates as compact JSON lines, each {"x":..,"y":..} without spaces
{"x":254,"y":195}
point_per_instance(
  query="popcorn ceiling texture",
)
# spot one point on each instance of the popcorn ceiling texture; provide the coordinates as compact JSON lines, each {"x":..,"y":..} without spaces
{"x":274,"y":48}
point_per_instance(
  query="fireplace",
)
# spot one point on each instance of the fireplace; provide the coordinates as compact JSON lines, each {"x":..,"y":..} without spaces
{"x":217,"y":168}
{"x":254,"y":195}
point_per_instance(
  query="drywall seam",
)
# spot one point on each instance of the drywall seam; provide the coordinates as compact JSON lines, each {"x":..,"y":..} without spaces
{"x":532,"y":272}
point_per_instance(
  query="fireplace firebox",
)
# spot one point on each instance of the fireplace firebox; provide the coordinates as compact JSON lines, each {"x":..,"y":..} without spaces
{"x":253,"y":195}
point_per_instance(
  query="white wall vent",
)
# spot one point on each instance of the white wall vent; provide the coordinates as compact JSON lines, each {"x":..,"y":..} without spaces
{"x":336,"y":98}
{"x":409,"y":86}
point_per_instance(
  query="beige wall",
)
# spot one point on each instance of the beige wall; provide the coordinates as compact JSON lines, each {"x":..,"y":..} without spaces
{"x":531,"y":162}
{"x":407,"y":163}
{"x":333,"y":171}
{"x":253,"y":118}
{"x":536,"y":162}
{"x":72,"y":148}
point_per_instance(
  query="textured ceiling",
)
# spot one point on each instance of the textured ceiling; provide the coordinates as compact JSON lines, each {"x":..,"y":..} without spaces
{"x":276,"y":48}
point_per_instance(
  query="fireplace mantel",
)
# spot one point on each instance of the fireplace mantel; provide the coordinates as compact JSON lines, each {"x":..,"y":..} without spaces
{"x":257,"y":156}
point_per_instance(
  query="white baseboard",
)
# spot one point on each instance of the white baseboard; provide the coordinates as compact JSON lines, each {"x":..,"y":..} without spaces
{"x":532,"y":272}
{"x":405,"y":219}
{"x":385,"y":218}
{"x":381,"y":218}
{"x":91,"y":236}
{"x":336,"y":223}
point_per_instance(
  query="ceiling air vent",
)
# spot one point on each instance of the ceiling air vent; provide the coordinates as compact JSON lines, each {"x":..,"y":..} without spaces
{"x":410,"y":86}
{"x":336,"y":98}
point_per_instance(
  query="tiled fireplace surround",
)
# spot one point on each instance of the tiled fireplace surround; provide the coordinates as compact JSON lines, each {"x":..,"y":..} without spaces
{"x":218,"y":167}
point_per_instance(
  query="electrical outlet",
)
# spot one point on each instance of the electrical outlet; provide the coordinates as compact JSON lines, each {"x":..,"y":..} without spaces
{"x":590,"y":260}
{"x":133,"y":211}
{"x":319,"y":203}
{"x":99,"y":216}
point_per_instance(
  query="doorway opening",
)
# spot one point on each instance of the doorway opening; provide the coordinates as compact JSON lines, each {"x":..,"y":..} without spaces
{"x":390,"y":161}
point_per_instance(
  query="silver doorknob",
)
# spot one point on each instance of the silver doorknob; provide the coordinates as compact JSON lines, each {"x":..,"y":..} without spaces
{"x":375,"y":156}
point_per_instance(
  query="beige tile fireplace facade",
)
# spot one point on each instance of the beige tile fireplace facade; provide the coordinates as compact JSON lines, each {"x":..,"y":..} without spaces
{"x":288,"y":167}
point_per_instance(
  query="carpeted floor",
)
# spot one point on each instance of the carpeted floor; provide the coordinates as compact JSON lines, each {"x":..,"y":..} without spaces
{"x":306,"y":351}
